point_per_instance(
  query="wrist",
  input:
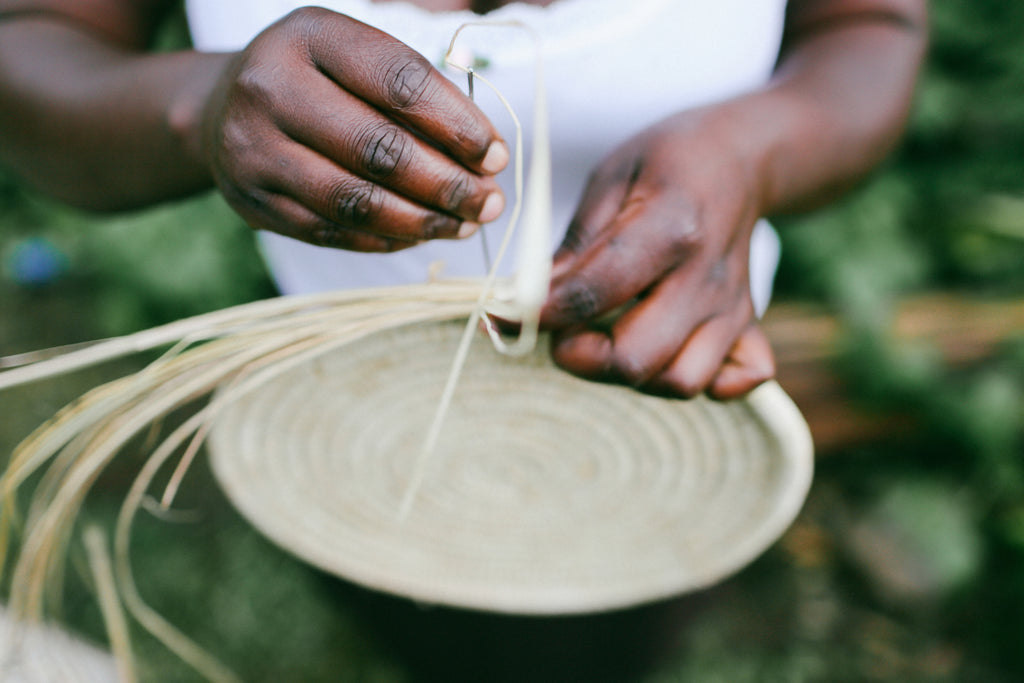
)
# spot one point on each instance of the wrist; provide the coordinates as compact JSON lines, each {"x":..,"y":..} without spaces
{"x":188,"y":110}
{"x":770,"y":134}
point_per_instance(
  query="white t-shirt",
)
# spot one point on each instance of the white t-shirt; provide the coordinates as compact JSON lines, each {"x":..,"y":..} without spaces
{"x":612,"y":69}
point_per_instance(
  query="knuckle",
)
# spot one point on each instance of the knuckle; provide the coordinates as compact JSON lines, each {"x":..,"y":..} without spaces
{"x":381,"y":150}
{"x":304,"y":16}
{"x":469,"y":135}
{"x":354,"y":203}
{"x":237,"y":156}
{"x":254,"y":84}
{"x":687,"y":387}
{"x":306,"y":24}
{"x":763,"y":370}
{"x":327,"y":235}
{"x":406,"y":80}
{"x":233,"y":139}
{"x":264,"y":72}
{"x":579,"y":301}
{"x":310,"y":32}
{"x":630,"y":369}
{"x":454,"y":192}
{"x":686,"y":234}
{"x":685,"y":238}
{"x":718,"y":276}
{"x":436,"y":225}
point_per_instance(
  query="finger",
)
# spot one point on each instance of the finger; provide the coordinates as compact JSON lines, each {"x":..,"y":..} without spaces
{"x":371,"y":146}
{"x":583,"y":352}
{"x":750,"y":363}
{"x":698,"y":362}
{"x":631,"y":352}
{"x":649,"y":335}
{"x":391,"y":76}
{"x":264,"y":210}
{"x":645,"y":241}
{"x":346,"y":200}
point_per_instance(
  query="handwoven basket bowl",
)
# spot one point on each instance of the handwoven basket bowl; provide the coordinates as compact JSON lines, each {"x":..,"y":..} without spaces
{"x":547,"y":494}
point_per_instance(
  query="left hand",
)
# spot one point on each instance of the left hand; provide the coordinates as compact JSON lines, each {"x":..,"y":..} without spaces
{"x":663,"y":230}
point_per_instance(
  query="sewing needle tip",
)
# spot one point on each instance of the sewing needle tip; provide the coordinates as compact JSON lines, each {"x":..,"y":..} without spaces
{"x":483,"y":233}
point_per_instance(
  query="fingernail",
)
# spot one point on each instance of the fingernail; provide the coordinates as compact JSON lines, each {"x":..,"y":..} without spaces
{"x":467,"y":229}
{"x":496,"y":158}
{"x":493,"y":206}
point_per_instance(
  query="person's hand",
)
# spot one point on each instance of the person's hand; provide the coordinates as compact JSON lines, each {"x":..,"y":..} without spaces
{"x":332,"y":132}
{"x":663,"y":234}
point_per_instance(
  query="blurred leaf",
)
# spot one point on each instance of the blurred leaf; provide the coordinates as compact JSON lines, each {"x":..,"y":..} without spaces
{"x":172,"y":261}
{"x":858,"y":255}
{"x":918,"y":541}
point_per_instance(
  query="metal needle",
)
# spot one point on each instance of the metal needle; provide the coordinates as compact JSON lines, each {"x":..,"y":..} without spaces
{"x":483,"y":233}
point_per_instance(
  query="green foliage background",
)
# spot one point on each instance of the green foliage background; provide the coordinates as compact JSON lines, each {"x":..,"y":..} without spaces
{"x":945,"y":213}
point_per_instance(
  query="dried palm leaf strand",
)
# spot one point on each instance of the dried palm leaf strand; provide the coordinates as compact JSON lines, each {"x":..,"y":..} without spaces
{"x":264,"y":314}
{"x":176,"y":641}
{"x":87,"y":434}
{"x":150,"y":395}
{"x":531,"y":286}
{"x":117,"y":626}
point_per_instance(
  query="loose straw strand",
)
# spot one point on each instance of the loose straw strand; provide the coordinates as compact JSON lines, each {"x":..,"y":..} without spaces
{"x":156,"y":625}
{"x":537,"y":202}
{"x":110,"y":605}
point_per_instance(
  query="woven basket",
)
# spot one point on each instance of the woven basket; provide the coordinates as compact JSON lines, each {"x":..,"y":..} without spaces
{"x":547,"y":494}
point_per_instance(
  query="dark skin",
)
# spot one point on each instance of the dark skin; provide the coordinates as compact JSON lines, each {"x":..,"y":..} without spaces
{"x":318,"y":130}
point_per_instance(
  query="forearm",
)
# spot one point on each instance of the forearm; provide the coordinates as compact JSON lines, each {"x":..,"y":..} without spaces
{"x":836,"y":106}
{"x":99,"y":125}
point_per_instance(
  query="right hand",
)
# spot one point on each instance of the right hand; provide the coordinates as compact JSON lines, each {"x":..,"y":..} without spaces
{"x":331,"y":132}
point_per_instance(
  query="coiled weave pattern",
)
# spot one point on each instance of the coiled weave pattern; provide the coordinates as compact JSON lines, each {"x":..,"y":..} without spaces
{"x":546,"y":495}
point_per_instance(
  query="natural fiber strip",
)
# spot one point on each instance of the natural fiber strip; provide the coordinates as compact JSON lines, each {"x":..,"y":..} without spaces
{"x":531,"y":284}
{"x":210,"y":668}
{"x":243,"y":348}
{"x":113,"y":616}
